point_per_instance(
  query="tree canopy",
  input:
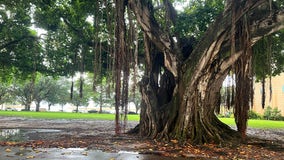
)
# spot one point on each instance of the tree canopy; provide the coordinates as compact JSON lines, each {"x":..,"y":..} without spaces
{"x":76,"y":31}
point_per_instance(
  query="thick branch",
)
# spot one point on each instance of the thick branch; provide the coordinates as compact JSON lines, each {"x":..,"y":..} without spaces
{"x":152,"y":29}
{"x":268,"y":24}
{"x":16,"y":41}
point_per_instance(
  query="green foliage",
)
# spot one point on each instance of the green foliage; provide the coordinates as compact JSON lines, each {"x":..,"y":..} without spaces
{"x":276,"y":114}
{"x":227,"y":114}
{"x":59,"y":92}
{"x":104,"y":93}
{"x":47,"y":16}
{"x":267,"y":112}
{"x":67,"y":46}
{"x":71,"y":37}
{"x":50,"y":90}
{"x":272,"y":114}
{"x":19,"y":47}
{"x":254,"y":115}
{"x":46,"y":88}
{"x":87,"y":92}
{"x":4,"y":93}
{"x":268,"y":53}
{"x":23,"y":93}
{"x":72,"y":34}
{"x":197,"y":17}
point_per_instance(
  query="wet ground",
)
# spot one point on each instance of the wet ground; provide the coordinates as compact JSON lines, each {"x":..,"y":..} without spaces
{"x":19,"y":153}
{"x":24,"y":138}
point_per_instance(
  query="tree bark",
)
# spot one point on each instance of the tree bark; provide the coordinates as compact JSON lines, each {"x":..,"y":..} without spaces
{"x":37,"y":106}
{"x":49,"y":106}
{"x":188,"y":111}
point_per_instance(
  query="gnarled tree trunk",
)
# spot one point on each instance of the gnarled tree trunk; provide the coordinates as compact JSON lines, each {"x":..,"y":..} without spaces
{"x":179,"y":96}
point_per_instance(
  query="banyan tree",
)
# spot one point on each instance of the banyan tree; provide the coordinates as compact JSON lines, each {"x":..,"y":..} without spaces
{"x":181,"y":84}
{"x":183,"y":71}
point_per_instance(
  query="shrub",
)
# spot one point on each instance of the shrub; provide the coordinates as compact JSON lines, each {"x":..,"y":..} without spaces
{"x":227,"y":114}
{"x":272,"y":114}
{"x":267,"y":113}
{"x":253,"y":115}
{"x":276,"y":114}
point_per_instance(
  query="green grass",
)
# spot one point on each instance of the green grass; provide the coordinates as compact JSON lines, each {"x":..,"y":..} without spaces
{"x":96,"y":116}
{"x":256,"y":123}
{"x":64,"y":115}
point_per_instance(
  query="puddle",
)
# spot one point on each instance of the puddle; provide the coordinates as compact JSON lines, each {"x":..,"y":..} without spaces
{"x":10,"y":135}
{"x":18,"y":135}
{"x":78,"y":153}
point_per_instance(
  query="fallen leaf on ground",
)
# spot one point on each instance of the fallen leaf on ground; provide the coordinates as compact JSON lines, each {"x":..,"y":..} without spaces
{"x":85,"y":153}
{"x":174,"y":141}
{"x":8,"y":150}
{"x":30,"y":157}
{"x":37,"y":151}
{"x":11,"y":143}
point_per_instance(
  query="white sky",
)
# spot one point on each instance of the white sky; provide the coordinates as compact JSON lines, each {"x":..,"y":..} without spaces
{"x":179,"y":6}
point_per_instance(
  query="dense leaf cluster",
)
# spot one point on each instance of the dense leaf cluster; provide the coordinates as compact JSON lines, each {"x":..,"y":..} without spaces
{"x":74,"y":28}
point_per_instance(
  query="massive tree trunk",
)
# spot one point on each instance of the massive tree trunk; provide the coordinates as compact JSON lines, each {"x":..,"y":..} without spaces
{"x":179,"y":97}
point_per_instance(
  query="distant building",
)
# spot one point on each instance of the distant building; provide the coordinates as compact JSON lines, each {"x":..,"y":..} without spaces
{"x":277,"y":97}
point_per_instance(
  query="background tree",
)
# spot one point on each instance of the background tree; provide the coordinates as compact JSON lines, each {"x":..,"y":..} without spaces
{"x":88,"y":94}
{"x":59,"y":93}
{"x":5,"y":95}
{"x":44,"y":88}
{"x":103,"y":95}
{"x":23,"y":94}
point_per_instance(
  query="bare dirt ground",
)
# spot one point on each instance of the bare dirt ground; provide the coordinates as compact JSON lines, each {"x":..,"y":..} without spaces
{"x":99,"y":135}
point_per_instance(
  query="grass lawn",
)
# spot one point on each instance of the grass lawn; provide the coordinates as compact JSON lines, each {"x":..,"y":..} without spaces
{"x":64,"y":115}
{"x":256,"y":123}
